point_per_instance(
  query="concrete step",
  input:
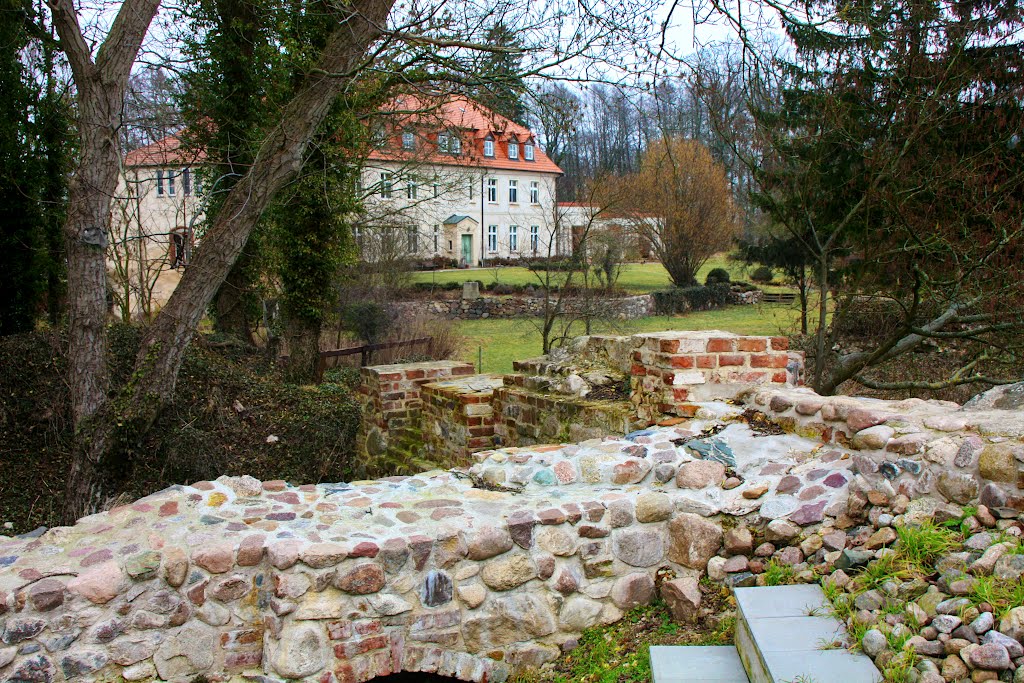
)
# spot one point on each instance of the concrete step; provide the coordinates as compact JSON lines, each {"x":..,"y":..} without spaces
{"x":681,"y":664}
{"x":786,"y":633}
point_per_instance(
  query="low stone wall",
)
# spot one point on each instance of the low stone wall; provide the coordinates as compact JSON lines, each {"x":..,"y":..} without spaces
{"x":913,"y":447}
{"x":624,"y":308}
{"x":458,"y":418}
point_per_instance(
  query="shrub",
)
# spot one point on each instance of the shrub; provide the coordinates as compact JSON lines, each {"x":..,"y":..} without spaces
{"x":762,"y":274}
{"x":717,"y":276}
{"x":685,"y":299}
{"x":368,"y":320}
{"x":223,"y":410}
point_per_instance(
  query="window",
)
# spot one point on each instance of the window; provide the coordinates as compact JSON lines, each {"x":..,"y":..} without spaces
{"x":179,"y":248}
{"x":449,"y":143}
{"x":197,"y":183}
{"x":385,"y":185}
{"x":528,"y":151}
{"x":534,"y":238}
{"x":413,"y":240}
{"x":159,"y":183}
{"x":471,"y":182}
{"x":358,"y":231}
{"x":437,"y":238}
{"x":437,"y":190}
{"x":513,"y":191}
{"x":535,"y":192}
{"x":513,"y":238}
{"x":513,"y":150}
{"x":186,"y":182}
{"x":410,"y":191}
{"x":170,"y":183}
{"x":492,"y":238}
{"x":492,"y":190}
{"x":489,"y":147}
{"x":408,"y":141}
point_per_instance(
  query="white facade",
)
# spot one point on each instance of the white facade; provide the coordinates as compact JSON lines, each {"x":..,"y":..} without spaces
{"x":463,"y":214}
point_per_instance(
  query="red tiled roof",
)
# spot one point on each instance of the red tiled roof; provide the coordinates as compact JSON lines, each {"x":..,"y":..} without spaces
{"x":165,"y":152}
{"x":474,"y":122}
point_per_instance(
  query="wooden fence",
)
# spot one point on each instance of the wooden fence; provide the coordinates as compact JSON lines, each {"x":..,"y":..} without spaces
{"x":365,"y":353}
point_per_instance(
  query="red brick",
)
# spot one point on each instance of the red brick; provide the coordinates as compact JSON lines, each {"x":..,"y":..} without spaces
{"x":719,"y":345}
{"x":637,"y":370}
{"x":680,"y":393}
{"x":636,"y":356}
{"x":415,"y":374}
{"x":780,"y":343}
{"x":681,"y":361}
{"x":389,"y":377}
{"x":669,"y":345}
{"x":365,"y":628}
{"x":780,"y":360}
{"x":761,"y":360}
{"x":780,"y":377}
{"x":464,"y":370}
{"x":752,"y":344}
{"x":752,"y":376}
{"x":339,"y":630}
{"x":686,"y":410}
{"x":474,"y":421}
{"x":729,"y":359}
{"x":707,"y":361}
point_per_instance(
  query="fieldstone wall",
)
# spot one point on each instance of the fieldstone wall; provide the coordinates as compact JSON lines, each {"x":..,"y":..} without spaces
{"x":963,"y":455}
{"x":622,"y":308}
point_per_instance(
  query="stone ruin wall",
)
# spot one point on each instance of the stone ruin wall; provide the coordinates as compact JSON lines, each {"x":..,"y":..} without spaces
{"x":474,"y":574}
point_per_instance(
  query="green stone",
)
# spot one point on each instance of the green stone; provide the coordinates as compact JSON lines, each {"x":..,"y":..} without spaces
{"x":141,"y":566}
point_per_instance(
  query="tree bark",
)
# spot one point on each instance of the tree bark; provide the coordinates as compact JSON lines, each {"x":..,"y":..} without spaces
{"x":280,"y":157}
{"x":303,"y":351}
{"x":231,"y":302}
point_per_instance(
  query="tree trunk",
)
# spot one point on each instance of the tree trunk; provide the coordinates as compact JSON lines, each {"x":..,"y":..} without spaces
{"x":232,"y":302}
{"x":162,"y":351}
{"x":303,"y":351}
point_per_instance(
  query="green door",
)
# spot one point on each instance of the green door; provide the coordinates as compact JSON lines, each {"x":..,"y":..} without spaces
{"x":466,"y":257}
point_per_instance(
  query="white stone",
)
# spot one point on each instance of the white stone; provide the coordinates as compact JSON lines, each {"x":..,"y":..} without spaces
{"x":301,"y":651}
{"x":188,"y":652}
{"x":579,"y":612}
{"x":139,"y":672}
{"x":389,"y":605}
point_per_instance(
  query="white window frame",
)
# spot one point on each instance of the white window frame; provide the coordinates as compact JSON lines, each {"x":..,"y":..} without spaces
{"x":489,"y":147}
{"x":534,"y":238}
{"x":492,"y":190}
{"x":437,"y":239}
{"x":534,"y":192}
{"x":386,"y":185}
{"x":513,"y":191}
{"x":437,"y":190}
{"x":171,"y":190}
{"x":159,"y":183}
{"x":528,"y":151}
{"x":492,"y":238}
{"x":513,"y":150}
{"x":411,"y":191}
{"x":408,"y":141}
{"x":186,"y":182}
{"x":413,"y":239}
{"x":513,"y":238}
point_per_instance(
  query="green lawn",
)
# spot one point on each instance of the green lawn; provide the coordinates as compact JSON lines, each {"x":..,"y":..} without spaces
{"x":502,"y":341}
{"x":635,"y":277}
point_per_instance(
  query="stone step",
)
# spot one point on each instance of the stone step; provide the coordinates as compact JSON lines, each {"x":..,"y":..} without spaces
{"x":787,"y":633}
{"x":682,"y":664}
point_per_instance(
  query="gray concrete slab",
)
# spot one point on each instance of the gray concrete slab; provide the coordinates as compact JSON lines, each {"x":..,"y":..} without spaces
{"x":795,"y":634}
{"x":682,"y":664}
{"x":782,"y":601}
{"x":822,"y":666}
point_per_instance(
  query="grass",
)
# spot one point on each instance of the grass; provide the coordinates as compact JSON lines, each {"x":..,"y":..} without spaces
{"x":637,"y":278}
{"x":501,"y":341}
{"x":777,"y":574}
{"x":620,"y":652}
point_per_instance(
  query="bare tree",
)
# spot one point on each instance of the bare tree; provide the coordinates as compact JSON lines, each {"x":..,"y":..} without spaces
{"x":368,"y":39}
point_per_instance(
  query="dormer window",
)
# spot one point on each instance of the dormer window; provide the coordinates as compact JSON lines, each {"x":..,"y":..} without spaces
{"x":489,"y":147}
{"x":449,"y":143}
{"x":408,"y":141}
{"x":513,"y":150}
{"x":528,"y":151}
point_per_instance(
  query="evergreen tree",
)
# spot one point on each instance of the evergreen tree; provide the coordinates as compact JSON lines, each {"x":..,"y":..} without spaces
{"x":501,"y":87}
{"x":33,"y":161}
